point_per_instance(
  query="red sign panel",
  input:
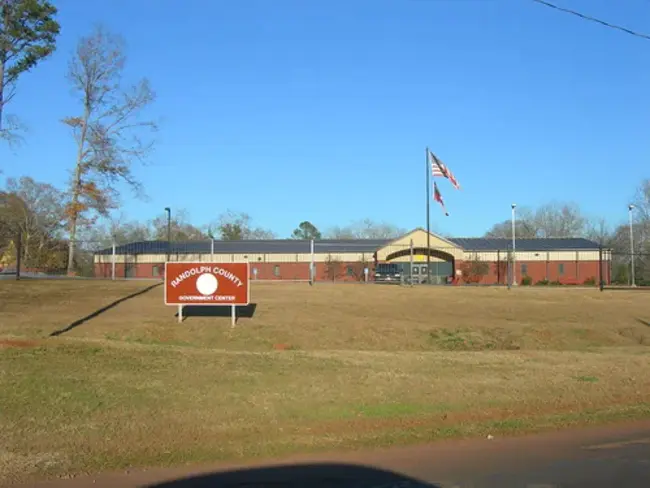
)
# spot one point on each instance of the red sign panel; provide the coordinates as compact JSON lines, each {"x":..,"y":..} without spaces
{"x":207,"y":284}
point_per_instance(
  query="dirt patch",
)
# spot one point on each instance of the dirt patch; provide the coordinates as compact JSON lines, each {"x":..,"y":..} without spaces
{"x":21,"y":344}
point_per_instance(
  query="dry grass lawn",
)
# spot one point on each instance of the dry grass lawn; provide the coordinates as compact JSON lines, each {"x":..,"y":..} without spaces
{"x":324,"y":367}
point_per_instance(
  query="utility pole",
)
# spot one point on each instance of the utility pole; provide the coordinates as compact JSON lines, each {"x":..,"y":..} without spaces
{"x":428,"y":193}
{"x":632,"y":272}
{"x":514,"y":247}
{"x":169,"y":230}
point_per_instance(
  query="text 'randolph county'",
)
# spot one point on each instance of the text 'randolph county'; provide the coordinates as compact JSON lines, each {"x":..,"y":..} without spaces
{"x":198,"y":270}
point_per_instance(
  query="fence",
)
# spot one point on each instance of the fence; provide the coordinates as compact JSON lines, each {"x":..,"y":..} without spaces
{"x":288,"y":260}
{"x":497,"y":266}
{"x":629,"y":269}
{"x":48,"y":259}
{"x":340,"y":260}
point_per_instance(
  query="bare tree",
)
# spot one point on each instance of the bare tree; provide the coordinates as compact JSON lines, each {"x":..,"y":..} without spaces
{"x":369,"y":229}
{"x":366,"y":229}
{"x":333,"y":268}
{"x":474,"y":270}
{"x":560,"y":220}
{"x":599,"y":231}
{"x":550,"y":220}
{"x":337,"y":232}
{"x":109,"y":133}
{"x":181,"y":228}
{"x":525,"y":226}
{"x":642,"y":201}
{"x":40,"y":219}
{"x":235,"y":226}
{"x":116,"y":228}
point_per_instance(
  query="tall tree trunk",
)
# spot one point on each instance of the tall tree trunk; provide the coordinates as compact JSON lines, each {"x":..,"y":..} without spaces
{"x":3,"y":62}
{"x":2,"y":85}
{"x":76,"y":190}
{"x":74,"y":216}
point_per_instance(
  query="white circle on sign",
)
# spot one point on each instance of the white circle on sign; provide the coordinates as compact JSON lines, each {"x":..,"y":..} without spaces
{"x":207,"y":284}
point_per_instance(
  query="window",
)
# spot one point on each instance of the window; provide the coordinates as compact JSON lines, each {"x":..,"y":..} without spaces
{"x":350,"y":271}
{"x":155,"y":271}
{"x":423,"y":270}
{"x":524,"y":269}
{"x":560,"y":269}
{"x":416,"y":270}
{"x":276,"y":270}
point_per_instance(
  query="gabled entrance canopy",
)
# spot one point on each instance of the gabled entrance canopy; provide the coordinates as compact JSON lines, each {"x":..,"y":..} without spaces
{"x":440,"y":249}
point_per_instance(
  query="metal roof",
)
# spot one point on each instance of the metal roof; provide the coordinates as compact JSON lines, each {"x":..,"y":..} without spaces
{"x":537,"y":244}
{"x":278,"y":246}
{"x":295,"y":246}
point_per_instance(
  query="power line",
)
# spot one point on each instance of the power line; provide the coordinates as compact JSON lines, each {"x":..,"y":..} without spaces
{"x":593,"y":19}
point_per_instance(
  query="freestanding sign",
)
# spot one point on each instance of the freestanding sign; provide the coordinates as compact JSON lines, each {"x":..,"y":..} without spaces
{"x":191,"y":283}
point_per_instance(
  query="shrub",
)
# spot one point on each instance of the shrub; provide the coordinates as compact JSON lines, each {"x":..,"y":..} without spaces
{"x":543,"y":282}
{"x":555,"y":283}
{"x":526,"y":281}
{"x":591,"y":281}
{"x":474,"y":270}
{"x":333,"y":268}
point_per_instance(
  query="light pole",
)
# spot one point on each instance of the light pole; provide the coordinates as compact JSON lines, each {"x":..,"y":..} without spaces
{"x":514,"y":246}
{"x":629,"y":213}
{"x":169,"y":230}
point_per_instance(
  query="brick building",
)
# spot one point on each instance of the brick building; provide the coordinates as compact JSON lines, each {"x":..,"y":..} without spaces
{"x":567,"y":260}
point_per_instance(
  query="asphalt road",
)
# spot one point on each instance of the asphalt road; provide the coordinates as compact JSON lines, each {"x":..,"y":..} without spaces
{"x":606,"y":457}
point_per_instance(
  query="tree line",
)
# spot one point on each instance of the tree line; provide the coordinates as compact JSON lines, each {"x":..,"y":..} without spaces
{"x":37,"y":212}
{"x":567,"y":220}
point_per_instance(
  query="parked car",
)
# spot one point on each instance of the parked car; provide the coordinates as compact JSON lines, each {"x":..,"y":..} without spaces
{"x":388,"y":272}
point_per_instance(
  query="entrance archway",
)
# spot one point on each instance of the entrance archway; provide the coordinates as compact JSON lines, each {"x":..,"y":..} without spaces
{"x":442,"y":264}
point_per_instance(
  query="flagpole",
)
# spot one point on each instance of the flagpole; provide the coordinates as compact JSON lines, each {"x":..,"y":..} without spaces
{"x":426,"y":158}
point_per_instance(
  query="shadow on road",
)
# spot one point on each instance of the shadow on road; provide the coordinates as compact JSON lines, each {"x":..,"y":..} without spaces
{"x":302,"y":475}
{"x":81,"y":321}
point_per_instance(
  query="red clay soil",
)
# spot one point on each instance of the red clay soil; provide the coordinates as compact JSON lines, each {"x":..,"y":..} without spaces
{"x":17,"y":343}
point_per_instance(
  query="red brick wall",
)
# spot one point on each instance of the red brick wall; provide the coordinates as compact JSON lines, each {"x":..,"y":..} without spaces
{"x":574,"y":272}
{"x":265,"y":271}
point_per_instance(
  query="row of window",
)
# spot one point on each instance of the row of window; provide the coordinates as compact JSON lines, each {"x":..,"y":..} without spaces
{"x":156,"y":271}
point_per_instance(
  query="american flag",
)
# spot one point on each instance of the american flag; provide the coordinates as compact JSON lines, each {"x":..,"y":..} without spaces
{"x":438,"y":198}
{"x":439,"y":169}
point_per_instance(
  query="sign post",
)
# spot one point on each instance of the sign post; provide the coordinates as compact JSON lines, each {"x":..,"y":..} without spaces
{"x":207,"y":284}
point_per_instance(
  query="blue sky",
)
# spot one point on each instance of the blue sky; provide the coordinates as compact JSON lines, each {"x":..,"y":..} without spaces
{"x":296,"y":110}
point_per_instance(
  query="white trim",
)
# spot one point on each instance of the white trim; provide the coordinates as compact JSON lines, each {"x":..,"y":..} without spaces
{"x":424,"y":231}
